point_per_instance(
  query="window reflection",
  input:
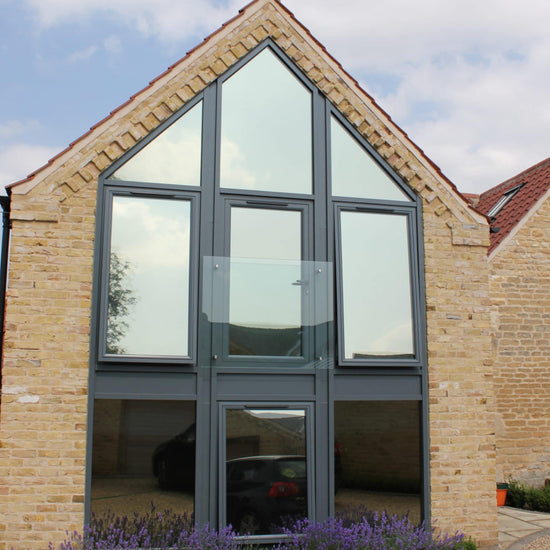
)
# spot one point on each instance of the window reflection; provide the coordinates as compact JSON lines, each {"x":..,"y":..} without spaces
{"x":265,"y":283}
{"x":376,"y":285}
{"x":377,"y":457}
{"x":266,"y":471}
{"x":266,"y":129}
{"x":355,"y":173}
{"x":173,"y":157}
{"x":143,"y":456}
{"x":148,"y":304}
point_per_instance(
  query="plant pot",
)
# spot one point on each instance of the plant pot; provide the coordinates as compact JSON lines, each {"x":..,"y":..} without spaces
{"x":502,"y":491}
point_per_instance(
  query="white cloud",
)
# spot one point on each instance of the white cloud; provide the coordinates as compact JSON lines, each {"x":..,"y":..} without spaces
{"x":113,"y":44}
{"x":468,"y":80}
{"x":82,"y":55}
{"x":19,"y":160}
{"x":13,"y":128}
{"x":168,"y":19}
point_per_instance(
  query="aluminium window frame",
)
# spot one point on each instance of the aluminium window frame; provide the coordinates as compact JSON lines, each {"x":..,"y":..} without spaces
{"x":235,"y":363}
{"x":193,"y":199}
{"x":309,"y":409}
{"x":196,"y":194}
{"x":417,"y":359}
{"x":304,"y":81}
{"x":319,"y":385}
{"x":413,"y":210}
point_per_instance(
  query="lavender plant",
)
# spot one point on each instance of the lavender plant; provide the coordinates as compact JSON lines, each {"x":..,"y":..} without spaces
{"x":372,"y":532}
{"x":154,"y":529}
{"x":355,"y":529}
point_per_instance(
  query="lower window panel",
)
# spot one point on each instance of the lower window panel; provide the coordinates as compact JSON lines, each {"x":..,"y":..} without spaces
{"x":143,"y":458}
{"x":378,"y":457}
{"x":266,"y":469}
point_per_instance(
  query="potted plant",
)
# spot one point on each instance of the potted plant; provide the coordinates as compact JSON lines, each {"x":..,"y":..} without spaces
{"x":502,"y":491}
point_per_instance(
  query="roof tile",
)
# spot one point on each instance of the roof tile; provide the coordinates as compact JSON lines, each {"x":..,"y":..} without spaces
{"x":535,"y":183}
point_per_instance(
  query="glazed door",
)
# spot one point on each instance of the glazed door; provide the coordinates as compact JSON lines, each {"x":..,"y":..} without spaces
{"x":266,"y":466}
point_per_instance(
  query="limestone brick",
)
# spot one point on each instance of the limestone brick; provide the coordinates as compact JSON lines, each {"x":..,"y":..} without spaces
{"x":520,"y":289}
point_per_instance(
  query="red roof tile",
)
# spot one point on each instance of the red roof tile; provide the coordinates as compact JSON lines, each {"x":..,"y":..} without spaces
{"x":534,"y":182}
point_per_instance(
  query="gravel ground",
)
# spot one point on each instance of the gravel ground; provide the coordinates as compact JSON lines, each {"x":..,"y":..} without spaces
{"x":542,"y":543}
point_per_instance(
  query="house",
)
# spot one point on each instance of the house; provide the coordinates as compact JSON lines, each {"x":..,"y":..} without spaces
{"x":248,"y":260}
{"x":519,"y":266}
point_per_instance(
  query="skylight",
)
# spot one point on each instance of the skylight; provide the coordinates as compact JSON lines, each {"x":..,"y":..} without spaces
{"x":504,"y":200}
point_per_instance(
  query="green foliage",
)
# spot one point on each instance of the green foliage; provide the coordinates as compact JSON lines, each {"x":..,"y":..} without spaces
{"x":466,"y":544}
{"x":121,"y":298}
{"x":532,"y":498}
{"x":516,"y":494}
{"x":538,"y":499}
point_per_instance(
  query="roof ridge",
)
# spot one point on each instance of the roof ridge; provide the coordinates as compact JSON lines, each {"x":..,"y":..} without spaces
{"x":513,"y":179}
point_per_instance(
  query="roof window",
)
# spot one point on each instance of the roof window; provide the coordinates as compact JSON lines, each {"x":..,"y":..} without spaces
{"x":504,"y":200}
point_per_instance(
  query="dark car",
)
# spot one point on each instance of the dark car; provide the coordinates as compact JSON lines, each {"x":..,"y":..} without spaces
{"x":265,"y":491}
{"x":174,"y":461}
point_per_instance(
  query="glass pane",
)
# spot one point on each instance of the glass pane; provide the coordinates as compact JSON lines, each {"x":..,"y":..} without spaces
{"x":266,"y":482}
{"x":265,"y":292}
{"x":173,"y":157}
{"x":148,"y":305}
{"x":266,"y":129}
{"x":377,"y":458}
{"x":354,"y":171}
{"x":376,"y":286}
{"x":143,"y":457}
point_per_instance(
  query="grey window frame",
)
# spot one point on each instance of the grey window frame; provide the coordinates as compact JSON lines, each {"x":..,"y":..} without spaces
{"x":413,"y":210}
{"x":309,"y":409}
{"x":220,"y":336}
{"x":193,"y":200}
{"x":417,"y":360}
{"x":213,"y":385}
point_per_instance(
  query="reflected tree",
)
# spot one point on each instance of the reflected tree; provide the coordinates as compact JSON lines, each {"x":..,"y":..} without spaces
{"x":121,"y":298}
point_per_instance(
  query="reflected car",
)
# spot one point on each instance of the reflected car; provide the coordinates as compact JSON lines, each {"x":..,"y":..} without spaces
{"x":174,"y":461}
{"x":264,"y":492}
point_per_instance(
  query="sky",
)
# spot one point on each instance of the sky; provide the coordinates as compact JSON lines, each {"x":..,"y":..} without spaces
{"x":468,"y":80}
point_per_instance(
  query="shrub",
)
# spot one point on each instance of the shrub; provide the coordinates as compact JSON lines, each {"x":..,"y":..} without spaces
{"x":516,"y":494}
{"x":538,"y":498}
{"x":533,"y":498}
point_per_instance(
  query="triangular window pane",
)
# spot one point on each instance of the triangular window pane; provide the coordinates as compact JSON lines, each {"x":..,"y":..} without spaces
{"x":355,"y":173}
{"x":173,"y":157}
{"x":266,"y":128}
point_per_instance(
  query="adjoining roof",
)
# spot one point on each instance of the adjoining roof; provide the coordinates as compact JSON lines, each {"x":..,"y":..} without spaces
{"x":517,"y":196}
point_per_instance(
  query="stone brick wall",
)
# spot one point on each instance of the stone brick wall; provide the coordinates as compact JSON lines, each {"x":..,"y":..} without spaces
{"x":520,"y":288}
{"x":45,"y":371}
{"x":462,"y":446}
{"x":43,"y":413}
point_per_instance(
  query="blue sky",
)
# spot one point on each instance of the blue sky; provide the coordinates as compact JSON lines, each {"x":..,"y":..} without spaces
{"x":468,"y":80}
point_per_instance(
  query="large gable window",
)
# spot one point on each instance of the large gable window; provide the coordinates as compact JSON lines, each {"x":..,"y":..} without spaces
{"x":258,"y":282}
{"x":266,"y":136}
